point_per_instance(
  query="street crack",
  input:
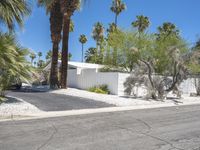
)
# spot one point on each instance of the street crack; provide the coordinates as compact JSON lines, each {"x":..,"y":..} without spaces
{"x":49,"y":139}
{"x":151,"y":136}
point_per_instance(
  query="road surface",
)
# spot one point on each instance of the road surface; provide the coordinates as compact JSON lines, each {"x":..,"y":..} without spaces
{"x":175,"y":128}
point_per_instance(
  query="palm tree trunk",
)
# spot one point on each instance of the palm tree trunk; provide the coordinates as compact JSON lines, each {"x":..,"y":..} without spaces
{"x":54,"y":67}
{"x":82,"y":52}
{"x":32,"y":62}
{"x":116,"y":19}
{"x":65,"y":46}
{"x":97,"y":53}
{"x":56,"y":21}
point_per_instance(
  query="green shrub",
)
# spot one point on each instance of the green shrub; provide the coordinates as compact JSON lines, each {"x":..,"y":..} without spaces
{"x":101,"y":89}
{"x":2,"y":99}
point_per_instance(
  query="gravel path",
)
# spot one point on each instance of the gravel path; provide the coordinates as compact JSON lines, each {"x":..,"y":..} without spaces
{"x":124,"y":101}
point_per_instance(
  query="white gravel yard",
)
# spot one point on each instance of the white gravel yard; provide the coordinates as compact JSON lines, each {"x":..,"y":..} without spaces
{"x":122,"y":101}
{"x":18,"y":107}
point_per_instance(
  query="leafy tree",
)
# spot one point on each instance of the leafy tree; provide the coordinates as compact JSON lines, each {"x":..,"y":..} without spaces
{"x":194,"y":65}
{"x":167,"y":53}
{"x":146,"y":57}
{"x":117,"y":7}
{"x":32,"y":56}
{"x":82,"y":40}
{"x":112,"y":29}
{"x":56,"y":19}
{"x":13,"y":11}
{"x":123,"y":43}
{"x":142,"y":23}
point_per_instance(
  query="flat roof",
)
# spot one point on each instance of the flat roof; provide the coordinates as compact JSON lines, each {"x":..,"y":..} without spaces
{"x":74,"y":64}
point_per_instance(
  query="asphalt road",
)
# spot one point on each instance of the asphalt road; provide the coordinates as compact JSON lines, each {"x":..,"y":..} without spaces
{"x":56,"y":102}
{"x":176,"y":128}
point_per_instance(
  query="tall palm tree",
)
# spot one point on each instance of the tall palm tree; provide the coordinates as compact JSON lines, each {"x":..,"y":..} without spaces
{"x":68,"y":7}
{"x":142,"y":23}
{"x":167,"y":29}
{"x":71,"y":26}
{"x":98,"y":33}
{"x":112,"y":28}
{"x":56,"y":19}
{"x":48,"y":55}
{"x":90,"y":55}
{"x":98,"y":36}
{"x":197,"y":44}
{"x":39,"y":55}
{"x":41,"y":63}
{"x":82,"y":40}
{"x":70,"y":56}
{"x":117,"y":7}
{"x":13,"y":11}
{"x":32,"y":56}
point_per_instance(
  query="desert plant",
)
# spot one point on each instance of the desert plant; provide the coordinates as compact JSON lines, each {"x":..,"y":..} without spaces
{"x":194,"y":65}
{"x":12,"y":12}
{"x":101,"y":89}
{"x":14,"y":67}
{"x":160,"y":64}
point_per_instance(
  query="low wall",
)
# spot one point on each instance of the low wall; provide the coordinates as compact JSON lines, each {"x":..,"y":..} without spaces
{"x":188,"y":86}
{"x":89,"y":78}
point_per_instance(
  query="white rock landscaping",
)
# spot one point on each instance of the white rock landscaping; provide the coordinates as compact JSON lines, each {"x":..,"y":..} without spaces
{"x":19,"y":108}
{"x":122,"y":101}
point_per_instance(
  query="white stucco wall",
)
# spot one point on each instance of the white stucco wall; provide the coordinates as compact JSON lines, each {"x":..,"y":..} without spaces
{"x":188,"y":86}
{"x":72,"y":79}
{"x":121,"y":79}
{"x":87,"y":78}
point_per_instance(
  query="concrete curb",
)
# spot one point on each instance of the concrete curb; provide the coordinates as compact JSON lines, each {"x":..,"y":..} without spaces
{"x":54,"y":114}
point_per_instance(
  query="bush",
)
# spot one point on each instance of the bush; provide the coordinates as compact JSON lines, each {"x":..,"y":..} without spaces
{"x":2,"y":99}
{"x":102,"y":89}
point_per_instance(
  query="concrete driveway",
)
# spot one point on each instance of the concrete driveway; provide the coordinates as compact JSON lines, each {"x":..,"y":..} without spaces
{"x":175,"y":128}
{"x":56,"y":102}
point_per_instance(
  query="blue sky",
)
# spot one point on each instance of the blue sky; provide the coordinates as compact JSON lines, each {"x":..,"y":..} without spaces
{"x":184,"y":13}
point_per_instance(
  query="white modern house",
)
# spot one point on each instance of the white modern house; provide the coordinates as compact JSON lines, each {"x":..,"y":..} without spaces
{"x":86,"y":75}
